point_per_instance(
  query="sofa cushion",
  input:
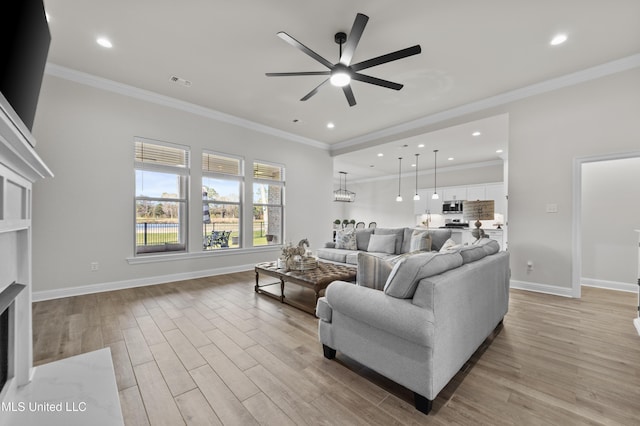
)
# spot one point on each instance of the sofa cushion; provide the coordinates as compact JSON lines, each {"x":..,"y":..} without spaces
{"x":438,"y":237}
{"x":346,"y":239}
{"x":490,"y":246}
{"x":334,"y":255}
{"x":406,"y":274}
{"x":448,"y":245}
{"x":382,"y":244}
{"x":420,"y":241}
{"x":362,"y":238}
{"x":471,"y":253}
{"x":373,"y":271}
{"x":398,"y":232}
{"x":352,"y":257}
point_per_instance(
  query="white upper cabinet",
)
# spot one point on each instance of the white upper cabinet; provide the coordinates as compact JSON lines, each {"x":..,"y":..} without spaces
{"x":496,"y":192}
{"x":492,"y":191}
{"x":458,"y":193}
{"x":476,"y":193}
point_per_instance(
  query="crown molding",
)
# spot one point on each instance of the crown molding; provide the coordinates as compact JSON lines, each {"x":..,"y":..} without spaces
{"x":588,"y":74}
{"x":152,"y":97}
{"x":430,"y":172}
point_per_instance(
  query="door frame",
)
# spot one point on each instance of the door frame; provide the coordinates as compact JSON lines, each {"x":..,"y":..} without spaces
{"x":576,"y":229}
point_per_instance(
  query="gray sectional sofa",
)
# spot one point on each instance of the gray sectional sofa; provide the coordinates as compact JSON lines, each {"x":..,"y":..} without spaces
{"x":419,"y":320}
{"x":363,"y":239}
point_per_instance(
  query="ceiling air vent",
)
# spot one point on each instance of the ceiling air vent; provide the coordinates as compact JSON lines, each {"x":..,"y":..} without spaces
{"x":180,"y":81}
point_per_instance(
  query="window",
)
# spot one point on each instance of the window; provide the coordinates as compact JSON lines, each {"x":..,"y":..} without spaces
{"x":268,"y":203}
{"x":222,"y":187}
{"x":161,"y":196}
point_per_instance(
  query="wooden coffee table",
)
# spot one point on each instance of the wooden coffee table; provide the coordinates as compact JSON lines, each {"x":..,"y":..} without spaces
{"x":315,"y":279}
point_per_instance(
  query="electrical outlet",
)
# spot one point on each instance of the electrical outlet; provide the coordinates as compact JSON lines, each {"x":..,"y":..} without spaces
{"x":94,"y":266}
{"x":529,"y":265}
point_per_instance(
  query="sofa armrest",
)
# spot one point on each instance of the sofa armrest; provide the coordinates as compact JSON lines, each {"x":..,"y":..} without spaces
{"x":323,"y":310}
{"x":373,"y":307}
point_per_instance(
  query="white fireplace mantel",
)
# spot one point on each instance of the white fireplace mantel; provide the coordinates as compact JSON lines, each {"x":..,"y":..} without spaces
{"x":20,"y":167}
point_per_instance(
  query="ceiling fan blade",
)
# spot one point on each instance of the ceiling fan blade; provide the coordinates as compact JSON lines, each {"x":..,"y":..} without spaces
{"x":314,"y":91}
{"x":289,"y":74}
{"x":393,"y":56}
{"x":349,"y":94}
{"x":377,"y":81}
{"x":354,"y":38}
{"x":295,"y":43}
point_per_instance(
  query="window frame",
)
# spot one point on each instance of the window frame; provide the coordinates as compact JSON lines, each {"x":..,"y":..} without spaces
{"x":240,"y":178}
{"x":282,"y":184}
{"x":184,"y":175}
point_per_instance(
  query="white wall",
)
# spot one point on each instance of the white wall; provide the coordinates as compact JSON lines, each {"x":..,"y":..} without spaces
{"x":376,"y":199}
{"x":610,"y":213}
{"x":85,"y":213}
{"x":547,"y":132}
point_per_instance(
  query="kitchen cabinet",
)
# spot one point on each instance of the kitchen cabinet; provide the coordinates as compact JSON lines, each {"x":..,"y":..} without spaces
{"x":492,"y":191}
{"x":476,"y":193}
{"x":496,"y":193}
{"x":464,"y":236}
{"x":426,"y":204}
{"x":455,"y":193}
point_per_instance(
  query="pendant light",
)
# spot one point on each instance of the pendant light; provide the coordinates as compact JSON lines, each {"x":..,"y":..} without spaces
{"x":435,"y":195}
{"x":342,"y":194}
{"x":399,"y":197}
{"x":416,"y":197}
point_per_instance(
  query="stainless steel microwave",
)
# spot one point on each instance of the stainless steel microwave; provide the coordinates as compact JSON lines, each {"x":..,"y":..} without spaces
{"x":452,"y":207}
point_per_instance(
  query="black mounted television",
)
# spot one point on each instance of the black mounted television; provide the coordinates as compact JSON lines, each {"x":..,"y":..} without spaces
{"x":24,"y":46}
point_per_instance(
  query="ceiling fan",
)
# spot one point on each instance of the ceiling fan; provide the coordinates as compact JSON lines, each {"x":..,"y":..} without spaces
{"x":343,"y":72}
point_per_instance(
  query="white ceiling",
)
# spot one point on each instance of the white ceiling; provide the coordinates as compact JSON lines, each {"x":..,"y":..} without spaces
{"x":471,"y":50}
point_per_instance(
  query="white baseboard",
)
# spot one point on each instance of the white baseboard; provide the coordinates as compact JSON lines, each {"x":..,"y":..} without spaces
{"x":542,"y":288}
{"x":611,"y":285}
{"x":38,"y":296}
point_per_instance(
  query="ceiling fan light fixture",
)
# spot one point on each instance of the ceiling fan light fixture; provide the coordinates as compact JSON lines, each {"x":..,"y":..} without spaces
{"x":340,"y":78}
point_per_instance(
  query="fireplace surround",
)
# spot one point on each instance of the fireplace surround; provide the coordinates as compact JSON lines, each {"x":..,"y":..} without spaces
{"x":20,"y":167}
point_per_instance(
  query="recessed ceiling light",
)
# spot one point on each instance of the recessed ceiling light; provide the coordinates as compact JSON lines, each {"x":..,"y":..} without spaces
{"x":476,"y":133}
{"x":413,"y":165}
{"x":104,"y":42}
{"x":421,"y":145}
{"x":380,"y":154}
{"x":558,"y":39}
{"x":330,"y":125}
{"x":499,"y":151}
{"x":450,"y":158}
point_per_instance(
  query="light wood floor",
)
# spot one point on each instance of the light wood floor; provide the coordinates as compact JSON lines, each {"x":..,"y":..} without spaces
{"x":210,"y":351}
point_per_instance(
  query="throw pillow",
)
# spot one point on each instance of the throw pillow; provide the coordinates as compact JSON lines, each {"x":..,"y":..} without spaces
{"x":362,"y":238}
{"x":382,"y":244}
{"x":397,"y":232}
{"x":407,"y":273}
{"x":420,"y":241}
{"x":346,"y":239}
{"x":373,"y":271}
{"x":447,"y":245}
